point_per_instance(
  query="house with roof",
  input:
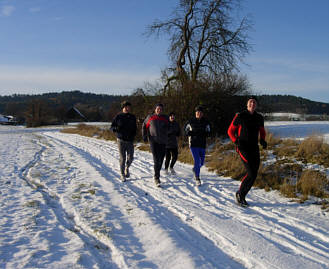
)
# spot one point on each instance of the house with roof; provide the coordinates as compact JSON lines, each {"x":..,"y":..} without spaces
{"x":7,"y":120}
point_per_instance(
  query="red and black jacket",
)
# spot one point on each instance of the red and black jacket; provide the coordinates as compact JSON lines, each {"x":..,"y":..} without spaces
{"x":246,"y":128}
{"x":155,"y":128}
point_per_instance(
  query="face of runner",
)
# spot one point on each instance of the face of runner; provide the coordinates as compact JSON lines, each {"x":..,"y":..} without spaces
{"x":158,"y":110}
{"x":172,"y":117}
{"x":198,"y":114}
{"x":251,"y":105}
{"x":126,"y":109}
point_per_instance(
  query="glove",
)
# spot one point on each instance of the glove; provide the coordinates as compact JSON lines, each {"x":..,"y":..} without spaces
{"x":263,"y":143}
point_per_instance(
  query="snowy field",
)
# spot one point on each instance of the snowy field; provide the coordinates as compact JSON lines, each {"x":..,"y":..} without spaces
{"x":62,"y":206}
{"x":299,"y":129}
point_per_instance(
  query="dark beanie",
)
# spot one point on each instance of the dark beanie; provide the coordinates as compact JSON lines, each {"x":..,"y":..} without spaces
{"x":159,"y":104}
{"x":199,"y":108}
{"x":252,"y":97}
{"x":125,"y":103}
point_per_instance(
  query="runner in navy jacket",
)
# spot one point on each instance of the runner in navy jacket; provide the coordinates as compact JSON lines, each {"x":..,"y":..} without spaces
{"x":172,"y":144}
{"x":197,"y":129}
{"x":244,"y":131}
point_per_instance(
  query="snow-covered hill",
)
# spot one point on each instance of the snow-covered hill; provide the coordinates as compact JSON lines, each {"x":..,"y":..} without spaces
{"x":63,"y":206}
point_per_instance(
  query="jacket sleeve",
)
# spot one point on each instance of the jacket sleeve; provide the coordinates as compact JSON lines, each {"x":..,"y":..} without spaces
{"x":233,"y":129}
{"x":114,"y":125}
{"x":262,"y":133}
{"x":135,"y":127}
{"x":188,"y":129}
{"x":208,"y":129}
{"x":144,"y":129}
{"x":178,"y":133}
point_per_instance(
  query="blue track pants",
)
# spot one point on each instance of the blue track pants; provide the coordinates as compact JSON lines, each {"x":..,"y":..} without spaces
{"x":198,"y":156}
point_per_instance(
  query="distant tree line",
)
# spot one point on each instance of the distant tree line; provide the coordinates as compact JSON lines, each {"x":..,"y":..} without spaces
{"x":221,"y":101}
{"x":292,"y":104}
{"x":52,"y":108}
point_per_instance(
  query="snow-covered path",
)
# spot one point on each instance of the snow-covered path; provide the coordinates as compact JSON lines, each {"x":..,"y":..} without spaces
{"x":63,"y":206}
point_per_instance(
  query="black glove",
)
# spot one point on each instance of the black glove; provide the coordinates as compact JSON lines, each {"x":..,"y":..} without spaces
{"x":263,"y":143}
{"x":114,"y":129}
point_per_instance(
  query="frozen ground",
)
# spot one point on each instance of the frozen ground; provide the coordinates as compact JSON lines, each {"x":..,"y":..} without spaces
{"x":62,"y":206}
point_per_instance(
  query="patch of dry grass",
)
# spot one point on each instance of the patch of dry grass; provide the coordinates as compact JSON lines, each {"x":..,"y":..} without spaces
{"x":313,"y":182}
{"x":224,"y":160}
{"x":273,"y":176}
{"x":272,"y":140}
{"x":185,"y":155}
{"x":314,"y":150}
{"x":90,"y":131}
{"x":288,"y":190}
{"x":107,"y":135}
{"x":286,"y":148}
{"x":143,"y":146}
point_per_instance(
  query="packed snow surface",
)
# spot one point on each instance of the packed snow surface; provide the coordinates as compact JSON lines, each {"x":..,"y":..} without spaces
{"x":63,"y":206}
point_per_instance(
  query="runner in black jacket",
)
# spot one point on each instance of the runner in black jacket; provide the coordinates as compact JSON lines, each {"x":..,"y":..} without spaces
{"x":244,"y":131}
{"x":172,"y":145}
{"x":197,"y":129}
{"x":124,"y":126}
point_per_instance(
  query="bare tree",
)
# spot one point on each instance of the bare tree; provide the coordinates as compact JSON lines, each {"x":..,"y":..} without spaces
{"x":205,"y":39}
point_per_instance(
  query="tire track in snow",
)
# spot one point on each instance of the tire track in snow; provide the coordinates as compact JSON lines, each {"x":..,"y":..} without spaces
{"x":53,"y":203}
{"x":157,"y":217}
{"x":286,"y":231}
{"x":275,"y":237}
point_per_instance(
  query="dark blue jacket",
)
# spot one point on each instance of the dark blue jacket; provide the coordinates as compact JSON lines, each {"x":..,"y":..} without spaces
{"x":197,"y":130}
{"x":124,"y":126}
{"x":173,"y":133}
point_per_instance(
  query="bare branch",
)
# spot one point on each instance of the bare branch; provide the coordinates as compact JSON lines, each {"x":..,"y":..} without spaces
{"x":204,"y":38}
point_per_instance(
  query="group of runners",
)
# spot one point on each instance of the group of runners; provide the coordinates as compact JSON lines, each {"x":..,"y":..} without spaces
{"x":162,"y":132}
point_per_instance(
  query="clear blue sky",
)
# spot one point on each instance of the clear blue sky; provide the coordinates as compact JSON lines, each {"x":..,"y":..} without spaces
{"x":97,"y":46}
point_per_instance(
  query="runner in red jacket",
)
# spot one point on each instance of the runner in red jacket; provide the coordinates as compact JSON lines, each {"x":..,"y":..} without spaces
{"x":155,"y":130}
{"x":244,"y":131}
